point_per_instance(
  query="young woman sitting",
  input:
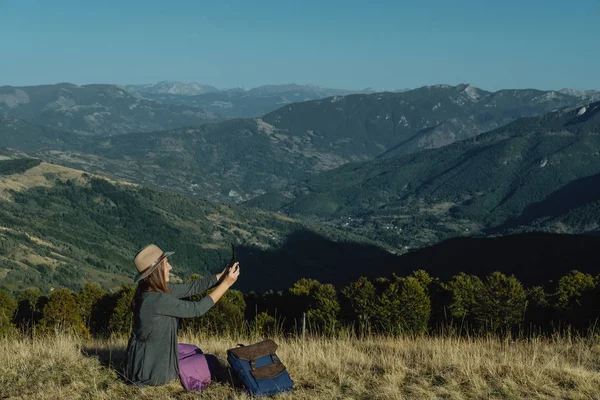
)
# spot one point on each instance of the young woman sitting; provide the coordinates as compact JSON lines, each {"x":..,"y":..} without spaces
{"x":152,"y":351}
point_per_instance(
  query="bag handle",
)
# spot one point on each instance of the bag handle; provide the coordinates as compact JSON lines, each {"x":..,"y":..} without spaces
{"x":273,"y":358}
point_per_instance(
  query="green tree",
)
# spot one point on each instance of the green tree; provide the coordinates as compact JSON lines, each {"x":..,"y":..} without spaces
{"x":320,"y":302}
{"x":121,"y":318}
{"x":423,"y":278}
{"x":500,"y":304}
{"x":387,"y":316}
{"x":537,"y":312}
{"x":415,"y":306}
{"x":263,"y":325}
{"x":403,"y":307}
{"x":326,"y":310}
{"x":31,"y":303}
{"x":8,"y":306}
{"x":361,"y":299}
{"x":87,"y":299}
{"x":463,"y":289}
{"x":226,"y":316}
{"x":571,"y":289}
{"x":576,"y":300}
{"x":62,"y":314}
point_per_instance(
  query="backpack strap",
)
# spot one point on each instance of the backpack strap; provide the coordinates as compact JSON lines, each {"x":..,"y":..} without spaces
{"x":268,"y":371}
{"x":254,"y":351}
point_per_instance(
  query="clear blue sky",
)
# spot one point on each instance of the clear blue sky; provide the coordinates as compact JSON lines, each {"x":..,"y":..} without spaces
{"x":544,"y":44}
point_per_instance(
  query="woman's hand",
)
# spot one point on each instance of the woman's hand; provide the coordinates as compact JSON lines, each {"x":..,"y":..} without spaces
{"x":221,"y":275}
{"x":233,"y":274}
{"x":226,"y":283}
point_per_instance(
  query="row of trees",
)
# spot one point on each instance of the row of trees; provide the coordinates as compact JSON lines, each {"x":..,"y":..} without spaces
{"x":414,"y":304}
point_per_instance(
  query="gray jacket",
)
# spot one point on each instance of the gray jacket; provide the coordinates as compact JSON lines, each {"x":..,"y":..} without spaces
{"x":152,"y":357}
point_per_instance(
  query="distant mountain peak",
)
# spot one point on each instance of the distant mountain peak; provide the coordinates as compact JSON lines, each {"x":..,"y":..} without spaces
{"x":171,"y":87}
{"x":474,"y":93}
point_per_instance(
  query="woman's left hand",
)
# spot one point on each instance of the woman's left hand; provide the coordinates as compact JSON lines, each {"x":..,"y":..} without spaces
{"x":222,"y":273}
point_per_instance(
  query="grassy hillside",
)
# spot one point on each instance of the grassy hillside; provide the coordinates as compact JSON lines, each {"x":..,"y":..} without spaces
{"x":62,"y":227}
{"x":495,"y":179}
{"x":341,"y":368}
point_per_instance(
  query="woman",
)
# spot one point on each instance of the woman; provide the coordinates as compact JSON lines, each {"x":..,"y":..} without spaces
{"x":152,"y":354}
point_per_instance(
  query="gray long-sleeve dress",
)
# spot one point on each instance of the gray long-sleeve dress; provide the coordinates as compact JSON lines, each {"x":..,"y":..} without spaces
{"x":152,"y":357}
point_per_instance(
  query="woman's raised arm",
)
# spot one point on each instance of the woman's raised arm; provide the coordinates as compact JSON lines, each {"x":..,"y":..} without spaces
{"x":181,"y":290}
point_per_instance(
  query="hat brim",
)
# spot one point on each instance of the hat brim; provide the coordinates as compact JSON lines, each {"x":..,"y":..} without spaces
{"x":151,"y":269}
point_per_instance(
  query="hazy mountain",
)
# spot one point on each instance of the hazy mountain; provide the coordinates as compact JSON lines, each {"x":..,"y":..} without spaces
{"x":168,"y":87}
{"x":240,"y":159}
{"x":424,"y":118}
{"x":26,"y":136}
{"x":240,"y":103}
{"x":504,"y":178}
{"x":95,"y":109}
{"x":584,"y":94}
{"x":315,"y":91}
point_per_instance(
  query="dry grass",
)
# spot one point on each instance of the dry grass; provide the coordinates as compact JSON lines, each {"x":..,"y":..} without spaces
{"x":347,"y":368}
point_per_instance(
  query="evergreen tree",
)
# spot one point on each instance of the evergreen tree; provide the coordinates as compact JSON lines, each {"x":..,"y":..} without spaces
{"x":87,"y":299}
{"x":62,"y":314}
{"x":121,"y":318}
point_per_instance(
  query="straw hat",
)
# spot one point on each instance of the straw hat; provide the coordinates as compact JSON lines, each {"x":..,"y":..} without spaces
{"x":147,"y":259}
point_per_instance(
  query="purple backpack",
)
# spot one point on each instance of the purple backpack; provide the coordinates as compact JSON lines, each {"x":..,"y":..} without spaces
{"x":194,"y":369}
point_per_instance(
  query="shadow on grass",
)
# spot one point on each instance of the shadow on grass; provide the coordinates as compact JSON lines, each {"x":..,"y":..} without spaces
{"x":115,"y":359}
{"x":109,"y":357}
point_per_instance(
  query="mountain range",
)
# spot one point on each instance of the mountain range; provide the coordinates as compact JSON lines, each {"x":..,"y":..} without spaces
{"x":169,"y":87}
{"x":536,"y":171}
{"x":356,"y":176}
{"x":237,"y":160}
{"x":95,"y":109}
{"x":236,"y":103}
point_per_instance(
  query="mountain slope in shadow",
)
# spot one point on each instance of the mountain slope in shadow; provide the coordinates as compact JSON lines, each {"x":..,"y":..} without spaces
{"x":534,"y":258}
